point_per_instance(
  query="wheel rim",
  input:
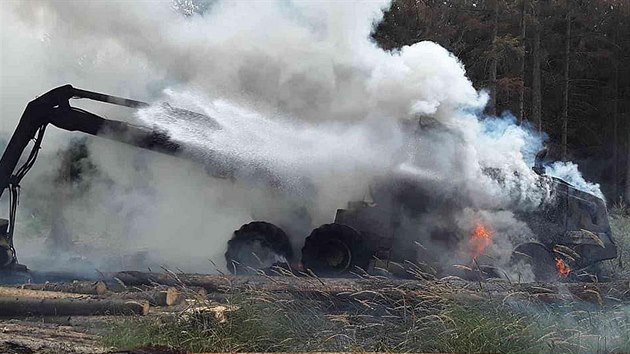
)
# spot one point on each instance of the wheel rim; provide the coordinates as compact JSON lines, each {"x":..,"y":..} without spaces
{"x":335,"y":256}
{"x":332,"y":249}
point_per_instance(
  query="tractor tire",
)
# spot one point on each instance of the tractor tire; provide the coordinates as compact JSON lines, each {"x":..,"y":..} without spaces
{"x":334,"y":249}
{"x":257,"y":246}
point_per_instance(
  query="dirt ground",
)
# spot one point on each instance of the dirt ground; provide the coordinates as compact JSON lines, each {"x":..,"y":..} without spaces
{"x":75,"y":334}
{"x":38,"y":335}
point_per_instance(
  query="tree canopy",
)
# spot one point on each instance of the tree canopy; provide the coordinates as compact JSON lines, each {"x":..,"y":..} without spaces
{"x":561,"y":65}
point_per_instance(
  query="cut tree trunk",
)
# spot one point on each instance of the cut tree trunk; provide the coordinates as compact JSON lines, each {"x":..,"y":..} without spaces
{"x":219,"y":283}
{"x":28,"y":306}
{"x":156,"y":296}
{"x":168,"y":297}
{"x":77,"y":287}
{"x":39,"y":294}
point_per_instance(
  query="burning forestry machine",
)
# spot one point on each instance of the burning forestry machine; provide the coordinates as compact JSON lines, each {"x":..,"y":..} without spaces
{"x":573,"y":232}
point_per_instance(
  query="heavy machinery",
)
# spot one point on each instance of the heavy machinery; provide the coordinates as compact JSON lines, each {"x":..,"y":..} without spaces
{"x":573,"y":228}
{"x":572,"y":232}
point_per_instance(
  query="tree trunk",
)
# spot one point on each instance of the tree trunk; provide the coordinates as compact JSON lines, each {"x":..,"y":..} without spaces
{"x":521,"y":93}
{"x":615,"y":142}
{"x":60,"y":236}
{"x":627,"y":189}
{"x":82,"y":287}
{"x":39,"y":294}
{"x":219,"y":283}
{"x":615,"y":153}
{"x":156,"y":297}
{"x":536,"y":86}
{"x":27,"y":306}
{"x":625,"y":117}
{"x":493,"y":60}
{"x":565,"y":98}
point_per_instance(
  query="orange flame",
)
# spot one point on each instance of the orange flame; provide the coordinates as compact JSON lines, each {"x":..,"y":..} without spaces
{"x":563,"y":268}
{"x":480,"y":239}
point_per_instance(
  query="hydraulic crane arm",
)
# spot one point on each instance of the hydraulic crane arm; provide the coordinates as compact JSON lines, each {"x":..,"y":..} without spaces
{"x":54,"y":108}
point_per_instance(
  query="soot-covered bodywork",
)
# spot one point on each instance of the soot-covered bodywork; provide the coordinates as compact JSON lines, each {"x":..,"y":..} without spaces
{"x":576,"y":219}
{"x":569,"y":230}
{"x":574,"y":229}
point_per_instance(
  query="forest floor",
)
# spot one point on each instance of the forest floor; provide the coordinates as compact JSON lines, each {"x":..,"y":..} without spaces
{"x":261,"y":313}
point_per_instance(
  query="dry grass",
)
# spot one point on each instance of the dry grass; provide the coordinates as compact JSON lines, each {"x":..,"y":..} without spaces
{"x":429,"y":316}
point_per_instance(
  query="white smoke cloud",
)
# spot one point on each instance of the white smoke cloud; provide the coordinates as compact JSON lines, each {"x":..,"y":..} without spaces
{"x":305,"y":58}
{"x":568,"y":172}
{"x":297,"y":87}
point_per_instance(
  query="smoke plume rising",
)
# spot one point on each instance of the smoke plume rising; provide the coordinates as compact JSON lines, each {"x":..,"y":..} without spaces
{"x":299,"y":90}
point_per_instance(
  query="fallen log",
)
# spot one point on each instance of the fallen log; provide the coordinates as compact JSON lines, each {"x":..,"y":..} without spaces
{"x":192,"y":293}
{"x":168,"y":297}
{"x":76,"y":287}
{"x":25,"y":306}
{"x":38,"y":294}
{"x":196,"y":291}
{"x":220,"y":283}
{"x":135,"y":278}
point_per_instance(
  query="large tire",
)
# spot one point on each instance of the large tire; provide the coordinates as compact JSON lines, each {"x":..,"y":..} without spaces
{"x":257,"y":246}
{"x":334,"y":249}
{"x":539,"y":258}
